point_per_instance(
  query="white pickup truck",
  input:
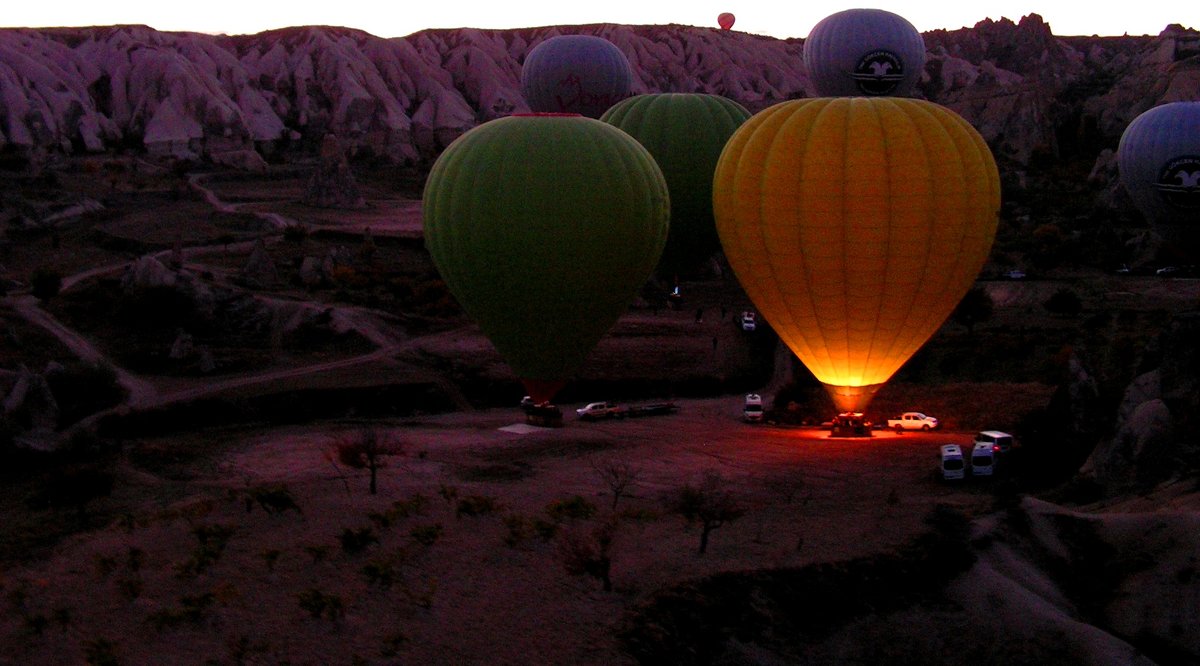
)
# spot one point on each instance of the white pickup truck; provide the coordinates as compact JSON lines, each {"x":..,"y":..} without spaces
{"x":599,"y":410}
{"x":913,"y":421}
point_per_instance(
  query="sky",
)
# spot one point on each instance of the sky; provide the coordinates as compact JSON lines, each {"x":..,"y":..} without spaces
{"x":765,"y":17}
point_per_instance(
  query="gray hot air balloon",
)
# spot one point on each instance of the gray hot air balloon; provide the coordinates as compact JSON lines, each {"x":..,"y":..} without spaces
{"x":864,"y":52}
{"x":1159,"y":159}
{"x":575,"y":74}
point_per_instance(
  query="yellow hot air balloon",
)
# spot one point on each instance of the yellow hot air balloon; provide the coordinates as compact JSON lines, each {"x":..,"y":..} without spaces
{"x":856,"y":225}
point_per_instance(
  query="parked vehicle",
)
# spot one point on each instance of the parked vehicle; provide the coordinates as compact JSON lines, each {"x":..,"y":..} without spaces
{"x":952,"y":467}
{"x":913,"y":421}
{"x":650,"y":409}
{"x":749,"y":320}
{"x":599,"y":410}
{"x":983,"y":459}
{"x":1001,"y":442}
{"x":1015,"y":275}
{"x":594,"y":411}
{"x":752,"y":412}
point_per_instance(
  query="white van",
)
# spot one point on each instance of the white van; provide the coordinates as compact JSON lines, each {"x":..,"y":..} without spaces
{"x":752,"y":411}
{"x":983,"y":459}
{"x":1001,"y":441}
{"x":952,"y":462}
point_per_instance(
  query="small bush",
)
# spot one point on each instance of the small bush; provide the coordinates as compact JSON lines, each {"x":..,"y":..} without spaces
{"x":517,"y":531}
{"x":380,"y":573}
{"x":476,"y":505}
{"x":270,"y":556}
{"x":573,"y":508}
{"x":317,"y":553}
{"x":273,"y":499}
{"x":355,"y":541}
{"x":448,"y":493}
{"x":319,"y":604}
{"x":426,"y":535}
{"x":100,"y":652}
{"x":212,"y":541}
{"x":191,"y":610}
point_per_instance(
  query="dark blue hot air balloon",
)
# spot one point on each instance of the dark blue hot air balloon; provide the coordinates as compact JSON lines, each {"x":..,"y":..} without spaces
{"x":1159,"y":159}
{"x":864,"y":52}
{"x":575,"y":74}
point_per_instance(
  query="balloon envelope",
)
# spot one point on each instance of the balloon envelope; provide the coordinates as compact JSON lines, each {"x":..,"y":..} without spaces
{"x":544,"y":228}
{"x":685,"y":132}
{"x":580,"y":74}
{"x":1159,"y":161}
{"x":856,"y":225}
{"x":864,"y":52}
{"x":725,"y":20}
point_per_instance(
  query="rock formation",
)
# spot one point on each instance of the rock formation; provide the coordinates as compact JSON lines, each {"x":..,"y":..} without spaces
{"x":1150,"y":443}
{"x":259,"y":270}
{"x":332,"y":184}
{"x":404,"y":99}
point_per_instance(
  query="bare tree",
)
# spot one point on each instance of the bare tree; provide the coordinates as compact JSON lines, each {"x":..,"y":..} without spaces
{"x":618,"y":475}
{"x":366,"y":450}
{"x":708,"y":503}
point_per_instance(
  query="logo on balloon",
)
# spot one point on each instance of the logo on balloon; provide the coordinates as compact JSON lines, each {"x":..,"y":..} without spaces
{"x":878,"y":72}
{"x":1179,"y":182}
{"x":572,"y":96}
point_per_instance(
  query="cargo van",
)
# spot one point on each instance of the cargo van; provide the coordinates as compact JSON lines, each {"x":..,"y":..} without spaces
{"x":952,"y":462}
{"x":752,"y":411}
{"x":1001,"y":442}
{"x":983,"y":459}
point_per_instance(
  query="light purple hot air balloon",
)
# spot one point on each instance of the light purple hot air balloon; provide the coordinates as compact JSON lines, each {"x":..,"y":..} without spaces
{"x":1159,"y":161}
{"x":580,"y":74}
{"x":864,"y":52}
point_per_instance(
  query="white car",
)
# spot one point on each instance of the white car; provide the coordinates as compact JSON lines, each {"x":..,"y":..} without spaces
{"x":951,"y":463}
{"x":913,"y":421}
{"x":1015,"y":275}
{"x":749,"y":320}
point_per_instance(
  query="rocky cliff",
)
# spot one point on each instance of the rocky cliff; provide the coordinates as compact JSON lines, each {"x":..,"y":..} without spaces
{"x":1029,"y":92}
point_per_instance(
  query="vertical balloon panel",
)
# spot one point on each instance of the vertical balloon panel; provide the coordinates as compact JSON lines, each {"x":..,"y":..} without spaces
{"x":856,"y":225}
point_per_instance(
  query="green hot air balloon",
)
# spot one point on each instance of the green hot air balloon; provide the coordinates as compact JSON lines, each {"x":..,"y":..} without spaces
{"x":544,"y":226}
{"x":685,"y":132}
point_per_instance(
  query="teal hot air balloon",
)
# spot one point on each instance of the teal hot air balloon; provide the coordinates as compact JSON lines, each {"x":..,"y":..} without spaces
{"x":864,"y":52}
{"x":1159,"y":161}
{"x":581,"y":74}
{"x":685,"y":132}
{"x":544,"y":227}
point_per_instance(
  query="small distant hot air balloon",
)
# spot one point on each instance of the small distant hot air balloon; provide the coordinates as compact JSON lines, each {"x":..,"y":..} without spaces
{"x":685,"y":132}
{"x":856,"y":225}
{"x":864,"y":52}
{"x":544,"y":227}
{"x":580,"y":74}
{"x":1159,"y":161}
{"x":725,"y":20}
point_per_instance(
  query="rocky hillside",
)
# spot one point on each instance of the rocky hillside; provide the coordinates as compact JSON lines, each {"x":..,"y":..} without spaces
{"x":90,"y":89}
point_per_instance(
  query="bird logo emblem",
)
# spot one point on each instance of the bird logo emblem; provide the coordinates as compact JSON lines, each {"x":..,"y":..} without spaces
{"x":1179,"y":182}
{"x":878,"y":73}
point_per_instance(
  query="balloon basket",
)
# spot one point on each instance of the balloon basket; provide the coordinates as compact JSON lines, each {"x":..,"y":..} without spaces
{"x":850,"y":425}
{"x":544,"y":416}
